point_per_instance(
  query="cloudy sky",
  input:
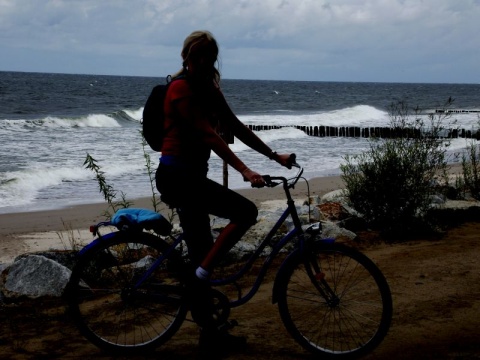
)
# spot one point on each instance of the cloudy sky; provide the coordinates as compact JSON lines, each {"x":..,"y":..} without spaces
{"x":326,"y":40}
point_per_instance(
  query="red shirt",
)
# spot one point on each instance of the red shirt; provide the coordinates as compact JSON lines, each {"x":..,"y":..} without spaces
{"x":183,"y":138}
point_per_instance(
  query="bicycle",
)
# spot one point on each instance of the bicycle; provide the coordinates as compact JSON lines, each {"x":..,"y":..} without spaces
{"x":126,"y":293}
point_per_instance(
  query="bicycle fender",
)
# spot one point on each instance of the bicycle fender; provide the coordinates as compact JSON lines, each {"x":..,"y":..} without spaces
{"x":96,"y":241}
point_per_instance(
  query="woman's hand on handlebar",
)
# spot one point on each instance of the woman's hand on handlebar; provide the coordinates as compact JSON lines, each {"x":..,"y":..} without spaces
{"x":255,"y":178}
{"x":286,"y":160}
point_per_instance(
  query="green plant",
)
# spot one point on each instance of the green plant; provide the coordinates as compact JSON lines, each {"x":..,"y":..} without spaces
{"x":110,"y":194}
{"x":107,"y":190}
{"x":391,"y":183}
{"x":471,"y":170}
{"x":70,"y":237}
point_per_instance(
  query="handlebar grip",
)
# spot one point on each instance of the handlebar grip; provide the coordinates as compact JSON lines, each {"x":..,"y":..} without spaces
{"x":293,"y":160}
{"x":269,"y":181}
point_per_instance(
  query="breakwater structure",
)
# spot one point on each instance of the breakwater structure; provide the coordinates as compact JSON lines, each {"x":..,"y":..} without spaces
{"x":378,"y":132}
{"x":366,"y":132}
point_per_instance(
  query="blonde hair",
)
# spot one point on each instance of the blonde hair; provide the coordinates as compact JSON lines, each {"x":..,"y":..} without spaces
{"x":200,"y":41}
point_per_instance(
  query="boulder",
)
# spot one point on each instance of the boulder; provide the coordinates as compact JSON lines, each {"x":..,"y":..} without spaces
{"x":332,"y":230}
{"x":35,"y":276}
{"x":66,"y":258}
{"x":333,"y":211}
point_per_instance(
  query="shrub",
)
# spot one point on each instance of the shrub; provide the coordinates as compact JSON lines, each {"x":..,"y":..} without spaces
{"x":471,"y":170}
{"x":391,"y":182}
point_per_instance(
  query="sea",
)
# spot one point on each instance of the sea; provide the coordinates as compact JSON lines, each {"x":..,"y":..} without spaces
{"x":50,"y":122}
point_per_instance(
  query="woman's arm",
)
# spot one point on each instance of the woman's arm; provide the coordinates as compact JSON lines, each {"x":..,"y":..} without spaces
{"x":249,"y":138}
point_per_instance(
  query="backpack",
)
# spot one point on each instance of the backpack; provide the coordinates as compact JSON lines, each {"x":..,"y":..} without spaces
{"x":153,"y":129}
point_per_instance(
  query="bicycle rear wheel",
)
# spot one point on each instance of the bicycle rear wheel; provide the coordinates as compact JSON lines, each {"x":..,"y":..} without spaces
{"x":334,"y":301}
{"x":106,"y":305}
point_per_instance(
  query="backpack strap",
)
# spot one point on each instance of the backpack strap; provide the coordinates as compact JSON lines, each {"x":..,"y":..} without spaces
{"x":169,"y":80}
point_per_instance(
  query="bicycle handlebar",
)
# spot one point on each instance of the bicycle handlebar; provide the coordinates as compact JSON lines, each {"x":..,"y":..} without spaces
{"x":270,"y":181}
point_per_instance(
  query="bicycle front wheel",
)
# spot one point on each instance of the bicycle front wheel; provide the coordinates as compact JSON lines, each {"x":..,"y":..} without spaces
{"x":109,"y":306}
{"x":334,"y":301}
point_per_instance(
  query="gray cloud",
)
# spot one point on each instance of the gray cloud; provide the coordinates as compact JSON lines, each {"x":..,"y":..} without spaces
{"x":343,"y":40}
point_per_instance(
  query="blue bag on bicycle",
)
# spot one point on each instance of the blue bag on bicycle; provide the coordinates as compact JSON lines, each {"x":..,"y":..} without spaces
{"x":139,"y":219}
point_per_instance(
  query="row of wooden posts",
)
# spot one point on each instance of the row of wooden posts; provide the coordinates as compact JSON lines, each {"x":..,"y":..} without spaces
{"x":366,"y":132}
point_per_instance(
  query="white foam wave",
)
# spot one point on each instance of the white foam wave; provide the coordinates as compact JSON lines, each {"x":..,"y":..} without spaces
{"x":460,"y":144}
{"x":7,"y":126}
{"x":92,"y":120}
{"x":360,"y":115}
{"x":268,"y":136}
{"x":22,"y":187}
{"x":135,"y":114}
{"x":363,"y":115}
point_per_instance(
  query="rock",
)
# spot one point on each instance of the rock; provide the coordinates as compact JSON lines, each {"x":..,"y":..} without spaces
{"x":332,"y":230}
{"x":35,"y":276}
{"x":333,"y":211}
{"x":3,"y":267}
{"x":335,"y":196}
{"x":66,"y":258}
{"x":437,"y":200}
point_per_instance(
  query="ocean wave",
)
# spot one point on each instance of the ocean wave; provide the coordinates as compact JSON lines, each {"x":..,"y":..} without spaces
{"x":128,"y":116}
{"x":92,"y":120}
{"x":135,"y":114}
{"x":361,"y":114}
{"x":269,"y":136}
{"x":22,"y":187}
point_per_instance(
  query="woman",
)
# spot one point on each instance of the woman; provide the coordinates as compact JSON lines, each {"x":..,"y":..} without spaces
{"x":197,"y":120}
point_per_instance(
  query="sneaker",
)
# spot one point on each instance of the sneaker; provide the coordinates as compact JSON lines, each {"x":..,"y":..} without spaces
{"x":213,"y":344}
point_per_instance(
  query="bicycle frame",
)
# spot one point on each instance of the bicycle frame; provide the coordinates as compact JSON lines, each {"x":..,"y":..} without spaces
{"x":296,"y":232}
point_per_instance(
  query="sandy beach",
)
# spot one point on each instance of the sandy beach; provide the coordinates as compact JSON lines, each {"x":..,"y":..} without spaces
{"x":50,"y":229}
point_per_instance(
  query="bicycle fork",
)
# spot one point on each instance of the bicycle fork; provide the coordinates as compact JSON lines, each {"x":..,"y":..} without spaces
{"x":317,"y":277}
{"x":313,"y":269}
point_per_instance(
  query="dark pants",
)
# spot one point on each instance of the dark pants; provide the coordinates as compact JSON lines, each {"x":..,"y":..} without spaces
{"x":196,"y":197}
